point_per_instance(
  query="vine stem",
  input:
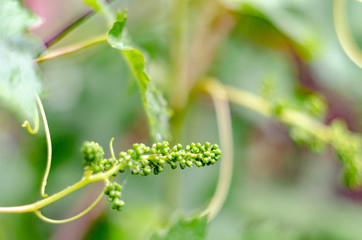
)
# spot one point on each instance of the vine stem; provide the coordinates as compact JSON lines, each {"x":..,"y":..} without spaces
{"x":344,"y":34}
{"x":219,"y":97}
{"x":33,"y":207}
{"x":71,"y":49}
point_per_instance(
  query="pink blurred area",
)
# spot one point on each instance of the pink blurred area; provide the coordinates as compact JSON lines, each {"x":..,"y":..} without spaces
{"x":55,"y":15}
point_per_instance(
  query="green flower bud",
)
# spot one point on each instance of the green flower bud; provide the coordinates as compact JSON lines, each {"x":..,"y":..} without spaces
{"x":198,"y":163}
{"x":93,"y":156}
{"x":147,"y":170}
{"x":189,"y":163}
{"x":173,"y":165}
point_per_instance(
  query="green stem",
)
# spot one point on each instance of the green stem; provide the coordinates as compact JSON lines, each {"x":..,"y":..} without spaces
{"x":219,"y":96}
{"x":46,"y":201}
{"x":344,"y":34}
{"x":71,"y":49}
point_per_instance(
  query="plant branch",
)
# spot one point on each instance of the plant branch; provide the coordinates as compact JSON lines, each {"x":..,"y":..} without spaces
{"x":71,"y":49}
{"x":344,"y":34}
{"x":219,"y":97}
{"x":46,"y":201}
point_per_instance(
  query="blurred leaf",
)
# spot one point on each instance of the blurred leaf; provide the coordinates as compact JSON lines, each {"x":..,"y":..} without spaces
{"x":192,"y":229}
{"x":261,"y":26}
{"x":19,"y":78}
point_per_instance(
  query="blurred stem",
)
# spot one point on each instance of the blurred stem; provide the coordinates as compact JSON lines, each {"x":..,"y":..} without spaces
{"x":287,"y":116}
{"x":179,"y":51}
{"x":71,"y":49}
{"x":343,"y":32}
{"x":68,"y":28}
{"x":219,"y":97}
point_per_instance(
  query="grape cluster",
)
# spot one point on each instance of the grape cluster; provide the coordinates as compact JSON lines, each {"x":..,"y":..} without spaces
{"x":143,"y":160}
{"x":113,"y":191}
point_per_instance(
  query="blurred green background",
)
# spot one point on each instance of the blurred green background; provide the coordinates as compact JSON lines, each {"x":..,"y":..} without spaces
{"x":279,"y":190}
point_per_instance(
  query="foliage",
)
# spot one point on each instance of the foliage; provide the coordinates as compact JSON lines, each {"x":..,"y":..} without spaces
{"x":19,"y":75}
{"x":279,"y":60}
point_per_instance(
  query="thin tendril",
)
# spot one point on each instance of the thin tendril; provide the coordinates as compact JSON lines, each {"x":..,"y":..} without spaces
{"x":49,"y":146}
{"x":111,"y":148}
{"x":46,"y":219}
{"x":343,"y":33}
{"x":219,"y":97}
{"x":26,"y":123}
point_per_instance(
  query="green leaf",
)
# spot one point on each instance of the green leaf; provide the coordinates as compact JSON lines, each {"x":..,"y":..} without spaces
{"x":191,"y":229}
{"x":154,"y":104}
{"x":19,"y":76}
{"x":115,"y":34}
